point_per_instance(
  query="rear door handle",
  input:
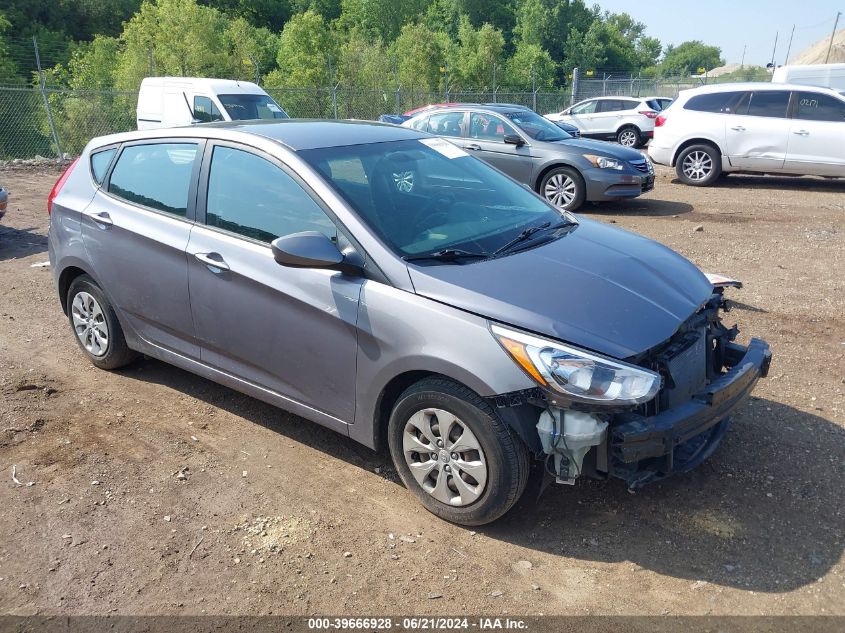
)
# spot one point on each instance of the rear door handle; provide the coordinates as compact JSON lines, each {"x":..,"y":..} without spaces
{"x":802,"y":133}
{"x":474,"y":147}
{"x":101,"y":217}
{"x":215,"y":264}
{"x":738,"y":128}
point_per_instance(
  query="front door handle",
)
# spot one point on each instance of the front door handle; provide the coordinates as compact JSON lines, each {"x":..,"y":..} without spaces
{"x":101,"y":217}
{"x":802,"y":133}
{"x":474,"y":147}
{"x":215,"y":264}
{"x":738,"y":128}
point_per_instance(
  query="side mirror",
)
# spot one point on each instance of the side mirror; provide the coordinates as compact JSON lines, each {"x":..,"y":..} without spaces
{"x":514,"y":139}
{"x":309,"y":249}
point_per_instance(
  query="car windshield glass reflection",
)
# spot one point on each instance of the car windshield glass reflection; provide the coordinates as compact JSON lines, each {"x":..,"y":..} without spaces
{"x":427,"y":196}
{"x":242,"y":107}
{"x":537,"y":127}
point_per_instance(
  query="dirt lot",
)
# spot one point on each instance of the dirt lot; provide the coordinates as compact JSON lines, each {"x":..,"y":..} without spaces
{"x":274,"y":515}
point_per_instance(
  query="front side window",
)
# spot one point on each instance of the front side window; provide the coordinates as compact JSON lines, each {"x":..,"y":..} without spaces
{"x":814,"y":106}
{"x":242,"y":107}
{"x":768,"y":103}
{"x":250,"y":196}
{"x":422,"y":196}
{"x":588,"y":107}
{"x":155,"y":175}
{"x":205,"y":110}
{"x":487,"y":127}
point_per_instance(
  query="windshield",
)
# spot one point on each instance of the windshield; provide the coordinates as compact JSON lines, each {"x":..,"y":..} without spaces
{"x":537,"y":127}
{"x":243,"y":107}
{"x":425,"y":196}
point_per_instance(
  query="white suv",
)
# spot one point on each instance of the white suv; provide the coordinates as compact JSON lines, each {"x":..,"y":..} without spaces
{"x":627,"y":120}
{"x":752,"y":127}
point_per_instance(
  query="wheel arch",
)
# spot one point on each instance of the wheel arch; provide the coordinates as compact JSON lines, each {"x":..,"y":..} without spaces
{"x":690,"y":143}
{"x":66,"y":278}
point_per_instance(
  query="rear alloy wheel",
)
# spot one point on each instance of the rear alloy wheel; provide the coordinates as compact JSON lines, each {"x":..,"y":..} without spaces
{"x":629,"y":136}
{"x":699,"y":165}
{"x":564,"y":187}
{"x":95,"y":325}
{"x":454,"y":453}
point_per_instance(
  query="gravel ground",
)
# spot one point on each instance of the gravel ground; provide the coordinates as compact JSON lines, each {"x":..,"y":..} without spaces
{"x":157,"y":492}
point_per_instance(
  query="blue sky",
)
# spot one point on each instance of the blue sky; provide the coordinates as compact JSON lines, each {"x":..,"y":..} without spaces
{"x":736,"y":23}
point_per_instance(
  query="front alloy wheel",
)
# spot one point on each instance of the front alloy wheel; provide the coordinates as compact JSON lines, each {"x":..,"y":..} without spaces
{"x":445,"y":457}
{"x":564,"y":188}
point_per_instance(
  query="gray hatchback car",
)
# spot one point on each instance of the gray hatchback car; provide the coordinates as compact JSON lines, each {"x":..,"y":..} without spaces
{"x":567,"y":171}
{"x":383,"y":283}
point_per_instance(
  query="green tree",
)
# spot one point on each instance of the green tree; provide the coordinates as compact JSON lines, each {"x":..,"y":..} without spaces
{"x":478,"y":56}
{"x":530,"y":66}
{"x":306,"y":47}
{"x":420,"y":55}
{"x":688,"y":57}
{"x":382,"y":18}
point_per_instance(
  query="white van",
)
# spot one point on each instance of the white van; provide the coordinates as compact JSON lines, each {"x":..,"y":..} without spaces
{"x":826,"y":75}
{"x":175,"y":101}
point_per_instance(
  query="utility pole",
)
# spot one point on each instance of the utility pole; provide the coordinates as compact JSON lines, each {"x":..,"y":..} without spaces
{"x":742,"y":63}
{"x":789,"y":48}
{"x":829,"y":46}
{"x":774,"y":50}
{"x":43,"y":85}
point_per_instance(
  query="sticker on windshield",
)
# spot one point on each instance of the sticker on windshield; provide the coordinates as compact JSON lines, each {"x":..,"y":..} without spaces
{"x":273,"y":107}
{"x":443,"y":147}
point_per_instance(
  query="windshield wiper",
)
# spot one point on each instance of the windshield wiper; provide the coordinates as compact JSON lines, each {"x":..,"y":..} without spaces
{"x":528,"y":233}
{"x":446,"y":255}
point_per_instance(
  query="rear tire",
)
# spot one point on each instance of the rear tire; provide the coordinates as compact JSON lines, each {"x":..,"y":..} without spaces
{"x":699,"y":165}
{"x":629,"y":136}
{"x":440,"y":431}
{"x":95,"y":326}
{"x":564,"y":188}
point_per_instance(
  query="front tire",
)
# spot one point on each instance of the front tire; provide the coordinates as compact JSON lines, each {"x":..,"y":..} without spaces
{"x":454,"y":454}
{"x":629,"y":136}
{"x":699,"y":165}
{"x":564,"y":188}
{"x":95,"y":326}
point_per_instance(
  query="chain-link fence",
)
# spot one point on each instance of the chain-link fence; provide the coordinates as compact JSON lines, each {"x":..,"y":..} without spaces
{"x":52,"y":122}
{"x":609,"y":85}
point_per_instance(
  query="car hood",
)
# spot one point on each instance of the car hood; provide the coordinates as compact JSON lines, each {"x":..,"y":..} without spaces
{"x":597,"y":287}
{"x":605,"y":148}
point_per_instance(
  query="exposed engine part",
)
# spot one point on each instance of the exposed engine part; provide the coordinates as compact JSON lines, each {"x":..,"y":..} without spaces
{"x":566,"y":437}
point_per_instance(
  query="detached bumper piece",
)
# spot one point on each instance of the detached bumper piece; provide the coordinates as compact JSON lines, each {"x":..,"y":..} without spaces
{"x":645,"y":449}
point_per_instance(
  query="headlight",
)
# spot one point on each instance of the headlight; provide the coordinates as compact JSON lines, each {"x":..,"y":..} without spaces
{"x":578,"y":374}
{"x":603,"y":162}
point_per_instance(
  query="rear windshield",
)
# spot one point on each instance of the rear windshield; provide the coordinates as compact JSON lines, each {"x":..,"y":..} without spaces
{"x":244,"y":107}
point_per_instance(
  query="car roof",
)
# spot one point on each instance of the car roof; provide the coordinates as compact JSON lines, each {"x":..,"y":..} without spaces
{"x":296,"y":134}
{"x":758,"y":85}
{"x":498,"y":108}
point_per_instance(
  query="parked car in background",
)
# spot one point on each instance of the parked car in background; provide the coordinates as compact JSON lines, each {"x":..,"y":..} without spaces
{"x":658,"y":103}
{"x":534,"y":151}
{"x":752,"y":127}
{"x":823,"y":75}
{"x":627,"y":120}
{"x":394,"y":119}
{"x":176,"y":101}
{"x":452,"y":314}
{"x":570,"y":129}
{"x":4,"y":202}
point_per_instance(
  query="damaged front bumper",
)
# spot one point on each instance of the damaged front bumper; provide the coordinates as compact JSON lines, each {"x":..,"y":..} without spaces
{"x":644,"y":449}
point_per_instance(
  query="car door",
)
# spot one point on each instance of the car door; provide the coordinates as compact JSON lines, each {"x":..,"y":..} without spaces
{"x":486,"y":140}
{"x":291,"y":332}
{"x":581,"y":115}
{"x":817,"y":135}
{"x":135,"y":232}
{"x":756,"y":135}
{"x":607,"y":117}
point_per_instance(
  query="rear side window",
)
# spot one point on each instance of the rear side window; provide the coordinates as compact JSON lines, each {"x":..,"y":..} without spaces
{"x":157,"y":176}
{"x":100,"y":162}
{"x":813,"y":106}
{"x":768,"y":103}
{"x":447,"y":124}
{"x":717,"y":102}
{"x":251,"y":196}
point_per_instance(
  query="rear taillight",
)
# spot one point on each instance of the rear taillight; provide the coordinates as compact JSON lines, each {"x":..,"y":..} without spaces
{"x":651,"y":114}
{"x":659,"y":121}
{"x":59,"y":184}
